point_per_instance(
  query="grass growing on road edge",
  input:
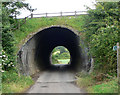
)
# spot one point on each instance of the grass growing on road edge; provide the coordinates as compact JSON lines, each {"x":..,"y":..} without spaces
{"x":106,"y":87}
{"x":93,"y":84}
{"x":12,"y":83}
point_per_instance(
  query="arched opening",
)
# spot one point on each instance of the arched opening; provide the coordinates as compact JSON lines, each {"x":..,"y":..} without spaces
{"x":36,"y":52}
{"x":60,"y":56}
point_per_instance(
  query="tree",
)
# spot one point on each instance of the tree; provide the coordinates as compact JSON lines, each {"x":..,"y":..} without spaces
{"x":10,"y":10}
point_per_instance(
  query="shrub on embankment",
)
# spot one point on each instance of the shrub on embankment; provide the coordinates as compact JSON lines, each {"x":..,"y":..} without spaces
{"x":101,"y":34}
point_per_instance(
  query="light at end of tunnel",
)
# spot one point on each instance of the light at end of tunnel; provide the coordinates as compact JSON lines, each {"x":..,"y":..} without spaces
{"x":60,"y":56}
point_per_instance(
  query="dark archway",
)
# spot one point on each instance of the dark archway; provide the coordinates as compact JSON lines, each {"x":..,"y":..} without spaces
{"x":35,"y":54}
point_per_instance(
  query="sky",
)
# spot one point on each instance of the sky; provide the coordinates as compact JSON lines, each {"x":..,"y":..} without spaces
{"x":50,"y":6}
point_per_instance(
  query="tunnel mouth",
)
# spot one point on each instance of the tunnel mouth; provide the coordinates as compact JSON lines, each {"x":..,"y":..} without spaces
{"x":35,"y":54}
{"x":60,"y":57}
{"x":51,"y":37}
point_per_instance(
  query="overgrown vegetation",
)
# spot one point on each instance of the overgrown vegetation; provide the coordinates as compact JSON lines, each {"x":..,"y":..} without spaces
{"x":99,"y":30}
{"x":11,"y":82}
{"x":105,"y":87}
{"x":97,"y":83}
{"x":101,"y":34}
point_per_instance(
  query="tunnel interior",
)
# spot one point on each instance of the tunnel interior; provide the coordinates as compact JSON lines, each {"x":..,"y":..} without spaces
{"x":42,"y":44}
{"x":48,"y":39}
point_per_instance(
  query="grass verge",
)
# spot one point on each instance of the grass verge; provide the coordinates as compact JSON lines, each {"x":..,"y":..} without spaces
{"x":105,"y":87}
{"x":12,"y":83}
{"x":94,"y":84}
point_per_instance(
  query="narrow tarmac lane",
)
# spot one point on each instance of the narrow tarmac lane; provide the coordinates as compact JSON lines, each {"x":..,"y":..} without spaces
{"x":59,"y":81}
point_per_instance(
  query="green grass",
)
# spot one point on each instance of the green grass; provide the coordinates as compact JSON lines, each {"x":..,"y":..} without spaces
{"x":84,"y":81}
{"x":93,"y":86}
{"x":106,"y":87}
{"x":12,"y":83}
{"x":34,"y":24}
{"x":63,"y":61}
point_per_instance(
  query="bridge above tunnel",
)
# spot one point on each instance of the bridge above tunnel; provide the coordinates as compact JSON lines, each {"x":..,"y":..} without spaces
{"x":35,"y":54}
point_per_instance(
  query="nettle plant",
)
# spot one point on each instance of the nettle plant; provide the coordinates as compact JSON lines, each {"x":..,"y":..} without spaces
{"x":6,"y":63}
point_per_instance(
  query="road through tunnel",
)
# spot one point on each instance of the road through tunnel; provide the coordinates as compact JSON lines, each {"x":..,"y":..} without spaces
{"x":35,"y":53}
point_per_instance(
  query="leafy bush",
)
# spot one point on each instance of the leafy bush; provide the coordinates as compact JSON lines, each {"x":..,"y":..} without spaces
{"x":54,"y":60}
{"x":10,"y":76}
{"x":9,"y":11}
{"x":6,"y":62}
{"x":61,"y":52}
{"x":101,"y":34}
{"x":64,"y":55}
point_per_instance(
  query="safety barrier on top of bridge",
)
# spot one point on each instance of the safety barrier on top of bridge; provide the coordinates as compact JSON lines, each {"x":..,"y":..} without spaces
{"x":57,"y":14}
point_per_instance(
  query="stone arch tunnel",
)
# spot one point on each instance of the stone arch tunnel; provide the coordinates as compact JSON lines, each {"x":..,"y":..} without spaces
{"x":35,"y":54}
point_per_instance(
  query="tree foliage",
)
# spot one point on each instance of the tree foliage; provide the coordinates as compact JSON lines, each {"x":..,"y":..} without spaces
{"x":10,"y":10}
{"x":101,"y":34}
{"x":61,"y":52}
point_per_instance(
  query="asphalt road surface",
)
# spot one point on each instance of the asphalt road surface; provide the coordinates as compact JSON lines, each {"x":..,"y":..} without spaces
{"x":56,"y":81}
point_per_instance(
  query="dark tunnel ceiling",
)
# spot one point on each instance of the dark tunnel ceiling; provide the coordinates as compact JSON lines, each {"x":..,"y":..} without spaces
{"x":49,"y":38}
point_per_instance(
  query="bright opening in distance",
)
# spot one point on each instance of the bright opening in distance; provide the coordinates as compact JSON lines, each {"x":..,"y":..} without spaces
{"x":60,"y":55}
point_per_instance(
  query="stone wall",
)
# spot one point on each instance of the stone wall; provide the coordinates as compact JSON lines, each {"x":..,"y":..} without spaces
{"x":26,"y":59}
